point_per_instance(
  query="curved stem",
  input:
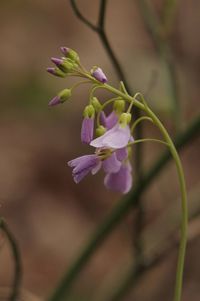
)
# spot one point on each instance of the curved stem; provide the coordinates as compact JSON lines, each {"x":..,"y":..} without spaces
{"x":184,"y":222}
{"x":17,"y":261}
{"x":148,"y":140}
{"x":138,"y":121}
{"x":183,"y":241}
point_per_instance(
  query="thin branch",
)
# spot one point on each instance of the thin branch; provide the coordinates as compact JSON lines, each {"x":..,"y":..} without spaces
{"x":119,"y":212}
{"x":100,"y":29}
{"x":81,"y":17}
{"x":17,"y":261}
{"x":102,"y":13}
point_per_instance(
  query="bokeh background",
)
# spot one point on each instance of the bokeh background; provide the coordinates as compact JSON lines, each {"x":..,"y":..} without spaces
{"x":49,"y":214}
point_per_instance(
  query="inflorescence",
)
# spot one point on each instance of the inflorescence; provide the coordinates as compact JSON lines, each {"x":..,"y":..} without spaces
{"x":110,"y":134}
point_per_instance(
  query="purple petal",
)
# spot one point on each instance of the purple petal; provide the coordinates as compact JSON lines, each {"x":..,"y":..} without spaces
{"x":64,"y":50}
{"x":55,"y":101}
{"x":87,"y":130}
{"x":117,"y":137}
{"x":108,"y":121}
{"x":96,"y":168}
{"x":56,"y":61}
{"x":83,"y":165}
{"x":120,"y":181}
{"x":111,"y":164}
{"x":51,"y":70}
{"x":122,"y":153}
{"x":99,"y":75}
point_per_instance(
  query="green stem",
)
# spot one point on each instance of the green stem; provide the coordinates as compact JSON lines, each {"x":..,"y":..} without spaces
{"x":183,"y":241}
{"x":138,"y":121}
{"x":17,"y":261}
{"x":148,"y":140}
{"x":119,"y":211}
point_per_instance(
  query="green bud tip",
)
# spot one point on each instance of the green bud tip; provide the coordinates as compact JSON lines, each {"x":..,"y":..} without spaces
{"x":64,"y":95}
{"x":89,"y":111}
{"x":96,"y":104}
{"x":125,"y":119}
{"x":119,"y":106}
{"x":100,"y":130}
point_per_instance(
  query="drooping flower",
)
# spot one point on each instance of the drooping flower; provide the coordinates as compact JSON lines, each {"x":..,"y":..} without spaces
{"x":87,"y":128}
{"x":115,"y":138}
{"x":120,"y":181}
{"x":111,"y":164}
{"x":99,"y":75}
{"x":83,"y":165}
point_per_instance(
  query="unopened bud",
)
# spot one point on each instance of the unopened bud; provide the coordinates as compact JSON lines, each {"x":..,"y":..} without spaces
{"x":70,"y":53}
{"x":100,"y":130}
{"x":56,"y":71}
{"x":65,"y":94}
{"x":119,"y":106}
{"x":99,"y":74}
{"x":125,"y":119}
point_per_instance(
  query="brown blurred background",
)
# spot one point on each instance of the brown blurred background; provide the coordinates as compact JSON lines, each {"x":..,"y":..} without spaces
{"x":49,"y":214}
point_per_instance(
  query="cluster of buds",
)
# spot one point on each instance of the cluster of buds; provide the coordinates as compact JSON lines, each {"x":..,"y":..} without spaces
{"x":109,"y":134}
{"x":65,"y":65}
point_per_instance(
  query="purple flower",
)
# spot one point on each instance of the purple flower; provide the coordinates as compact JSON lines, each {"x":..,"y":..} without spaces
{"x":117,"y":137}
{"x":83,"y":165}
{"x":99,"y":75}
{"x":87,"y":130}
{"x":108,"y":121}
{"x":120,"y":181}
{"x":111,"y":164}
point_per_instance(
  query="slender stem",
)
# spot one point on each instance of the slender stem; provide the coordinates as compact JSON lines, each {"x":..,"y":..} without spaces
{"x":148,"y":140}
{"x":183,"y":241}
{"x":17,"y":261}
{"x":138,"y":121}
{"x":119,"y":211}
{"x":184,"y":221}
{"x":169,"y":14}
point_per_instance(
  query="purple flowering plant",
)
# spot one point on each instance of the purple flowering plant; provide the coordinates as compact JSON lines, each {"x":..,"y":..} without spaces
{"x":111,"y":135}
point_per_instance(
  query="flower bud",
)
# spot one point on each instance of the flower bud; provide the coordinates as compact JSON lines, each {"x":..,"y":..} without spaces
{"x":89,"y":111}
{"x":61,"y":97}
{"x":65,"y":94}
{"x":119,"y":106}
{"x":64,"y":64}
{"x":96,"y":104}
{"x":125,"y":119}
{"x":100,"y":130}
{"x":56,"y":71}
{"x":99,"y":75}
{"x":70,"y":53}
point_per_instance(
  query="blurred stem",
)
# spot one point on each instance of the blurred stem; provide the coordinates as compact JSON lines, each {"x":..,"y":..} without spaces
{"x":121,"y":209}
{"x":169,"y":11}
{"x":17,"y":261}
{"x":159,"y":38}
